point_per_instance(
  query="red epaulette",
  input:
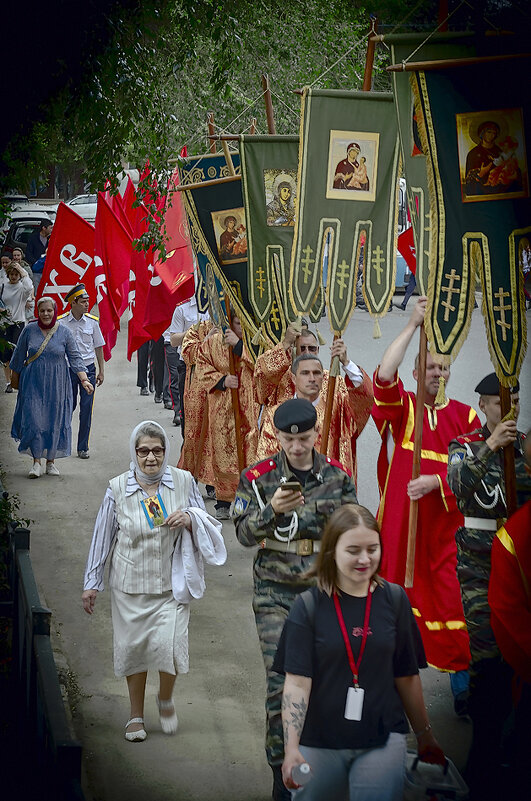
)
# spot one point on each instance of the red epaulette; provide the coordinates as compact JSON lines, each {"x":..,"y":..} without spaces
{"x":260,"y":469}
{"x":335,"y":463}
{"x":474,"y":436}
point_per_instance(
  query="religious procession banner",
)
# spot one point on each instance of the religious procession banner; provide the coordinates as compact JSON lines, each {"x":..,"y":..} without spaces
{"x":269,"y":183}
{"x":218,"y":235}
{"x":474,"y":123}
{"x":403,"y":47}
{"x":347,"y":204}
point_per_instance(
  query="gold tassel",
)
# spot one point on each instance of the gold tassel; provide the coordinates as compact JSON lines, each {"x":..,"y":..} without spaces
{"x":297,"y":324}
{"x":440,"y":398}
{"x":376,"y":331}
{"x":320,"y":338}
{"x":259,"y":337}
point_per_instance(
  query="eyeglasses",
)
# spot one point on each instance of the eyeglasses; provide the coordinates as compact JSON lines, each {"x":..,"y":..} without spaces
{"x":143,"y":452}
{"x":309,"y":349}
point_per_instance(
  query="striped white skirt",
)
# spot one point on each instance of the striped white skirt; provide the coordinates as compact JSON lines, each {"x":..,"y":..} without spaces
{"x":150,"y":633}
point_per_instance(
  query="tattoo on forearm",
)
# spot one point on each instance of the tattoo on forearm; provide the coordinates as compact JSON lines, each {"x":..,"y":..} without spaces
{"x":295,"y":714}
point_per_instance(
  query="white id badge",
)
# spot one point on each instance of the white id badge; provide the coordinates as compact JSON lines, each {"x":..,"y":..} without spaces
{"x":354,"y":704}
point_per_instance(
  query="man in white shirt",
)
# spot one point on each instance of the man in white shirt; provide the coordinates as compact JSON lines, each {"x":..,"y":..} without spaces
{"x":184,"y":317}
{"x":90,"y":342}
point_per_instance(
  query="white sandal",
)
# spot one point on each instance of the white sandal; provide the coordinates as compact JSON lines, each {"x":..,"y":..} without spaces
{"x":168,"y":723}
{"x":135,"y":736}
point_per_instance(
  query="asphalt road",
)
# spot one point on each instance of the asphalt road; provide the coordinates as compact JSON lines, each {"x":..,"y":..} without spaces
{"x":217,"y":753}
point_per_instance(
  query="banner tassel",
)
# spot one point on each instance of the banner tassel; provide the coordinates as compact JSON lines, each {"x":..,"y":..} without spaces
{"x":320,"y":338}
{"x":376,"y":331}
{"x":259,"y":337}
{"x":440,"y":398}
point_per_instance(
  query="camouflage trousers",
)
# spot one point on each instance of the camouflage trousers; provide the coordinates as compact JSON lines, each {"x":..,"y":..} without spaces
{"x":272,"y":602}
{"x":473,"y":572}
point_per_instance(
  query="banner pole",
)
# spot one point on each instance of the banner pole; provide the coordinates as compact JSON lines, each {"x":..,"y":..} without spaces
{"x":235,"y":398}
{"x":417,"y":453}
{"x":211,"y":132}
{"x":508,"y":456}
{"x":271,"y":128}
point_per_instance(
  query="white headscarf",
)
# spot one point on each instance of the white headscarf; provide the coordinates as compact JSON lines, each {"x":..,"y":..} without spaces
{"x":151,"y":478}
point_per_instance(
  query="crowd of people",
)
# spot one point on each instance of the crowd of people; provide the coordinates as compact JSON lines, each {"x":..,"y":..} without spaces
{"x":342,"y":641}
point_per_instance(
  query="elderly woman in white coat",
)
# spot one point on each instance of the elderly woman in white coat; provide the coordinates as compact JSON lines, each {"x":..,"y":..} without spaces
{"x":150,"y":617}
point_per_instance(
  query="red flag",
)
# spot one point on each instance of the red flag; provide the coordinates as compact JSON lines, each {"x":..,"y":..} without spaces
{"x":69,"y":258}
{"x":406,"y":248}
{"x":177,"y":271}
{"x":109,"y":326}
{"x":113,"y":244}
{"x":138,"y":289}
{"x":128,"y":199}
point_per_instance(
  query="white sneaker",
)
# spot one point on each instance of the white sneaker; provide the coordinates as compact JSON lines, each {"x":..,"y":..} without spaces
{"x":51,"y":469}
{"x":35,"y":471}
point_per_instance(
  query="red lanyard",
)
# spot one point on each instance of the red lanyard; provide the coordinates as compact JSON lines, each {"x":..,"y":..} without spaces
{"x":352,"y":662}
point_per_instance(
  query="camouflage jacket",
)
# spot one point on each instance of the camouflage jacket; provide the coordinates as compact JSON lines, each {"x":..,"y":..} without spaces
{"x":327,"y":486}
{"x":475,"y":476}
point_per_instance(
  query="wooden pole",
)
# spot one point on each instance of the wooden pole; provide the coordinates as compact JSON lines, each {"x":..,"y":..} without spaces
{"x":417,"y":452}
{"x":369,"y":58}
{"x":202,"y":184}
{"x":211,"y":131}
{"x":508,"y":457}
{"x":443,"y":64}
{"x":235,"y":399}
{"x":228,"y":157}
{"x":330,"y":392}
{"x":271,"y":128}
{"x":334,"y":364}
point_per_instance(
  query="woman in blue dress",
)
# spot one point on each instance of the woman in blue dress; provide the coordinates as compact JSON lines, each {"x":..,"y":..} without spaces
{"x":43,"y":414}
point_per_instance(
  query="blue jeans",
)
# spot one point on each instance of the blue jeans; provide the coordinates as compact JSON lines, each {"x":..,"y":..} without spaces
{"x":459,"y":682}
{"x":86,"y":403}
{"x":362,"y":774}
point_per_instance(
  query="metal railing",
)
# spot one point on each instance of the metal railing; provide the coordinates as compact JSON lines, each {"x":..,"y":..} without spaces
{"x":44,"y":743}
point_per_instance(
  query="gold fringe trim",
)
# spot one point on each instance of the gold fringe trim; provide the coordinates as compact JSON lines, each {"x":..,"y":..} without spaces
{"x":440,"y":398}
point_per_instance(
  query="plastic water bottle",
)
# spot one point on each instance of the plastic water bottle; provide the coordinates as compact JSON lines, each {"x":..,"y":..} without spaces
{"x":301,"y":774}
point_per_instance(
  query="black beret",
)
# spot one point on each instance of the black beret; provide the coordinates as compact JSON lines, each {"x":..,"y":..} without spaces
{"x":490,"y":385}
{"x":295,"y":416}
{"x":76,"y":292}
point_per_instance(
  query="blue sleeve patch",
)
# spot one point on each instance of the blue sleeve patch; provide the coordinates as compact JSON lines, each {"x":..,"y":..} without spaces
{"x":457,"y":457}
{"x":240,"y":505}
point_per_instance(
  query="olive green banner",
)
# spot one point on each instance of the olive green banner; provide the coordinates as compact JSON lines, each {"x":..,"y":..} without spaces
{"x":347,"y":203}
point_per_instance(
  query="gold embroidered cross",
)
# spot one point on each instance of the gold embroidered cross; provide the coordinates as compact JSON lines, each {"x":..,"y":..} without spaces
{"x":502,"y":308}
{"x":450,"y":290}
{"x":306,"y":263}
{"x":342,"y":274}
{"x":377,"y":260}
{"x":260,"y":280}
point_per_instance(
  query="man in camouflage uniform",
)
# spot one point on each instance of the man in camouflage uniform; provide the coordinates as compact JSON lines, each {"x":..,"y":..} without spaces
{"x":287,"y":526}
{"x":476,"y":477}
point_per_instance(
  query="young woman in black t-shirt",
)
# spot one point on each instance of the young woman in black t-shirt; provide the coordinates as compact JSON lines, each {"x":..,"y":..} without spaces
{"x":351,"y":654}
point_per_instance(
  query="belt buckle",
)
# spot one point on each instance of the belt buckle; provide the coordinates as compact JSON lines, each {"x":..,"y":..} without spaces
{"x":304,"y":547}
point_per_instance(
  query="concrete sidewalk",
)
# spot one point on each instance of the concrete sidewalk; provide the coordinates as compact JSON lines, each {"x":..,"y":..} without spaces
{"x":217,"y":754}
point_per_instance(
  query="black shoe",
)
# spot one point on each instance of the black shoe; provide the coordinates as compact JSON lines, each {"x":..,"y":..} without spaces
{"x":461,"y":704}
{"x":144,"y":391}
{"x":158,"y":398}
{"x":280,"y":791}
{"x":177,"y":419}
{"x":168,"y":404}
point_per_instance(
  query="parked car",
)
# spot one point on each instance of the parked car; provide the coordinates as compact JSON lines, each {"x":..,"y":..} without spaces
{"x":85,"y":206}
{"x":20,"y":231}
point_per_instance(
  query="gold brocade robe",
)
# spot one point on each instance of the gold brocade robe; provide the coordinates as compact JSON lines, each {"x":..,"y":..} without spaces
{"x":195,"y":442}
{"x":274,"y":384}
{"x":211,"y":366}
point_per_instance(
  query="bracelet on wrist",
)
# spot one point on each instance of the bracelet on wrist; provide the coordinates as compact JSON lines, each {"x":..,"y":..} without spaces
{"x":422,"y":731}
